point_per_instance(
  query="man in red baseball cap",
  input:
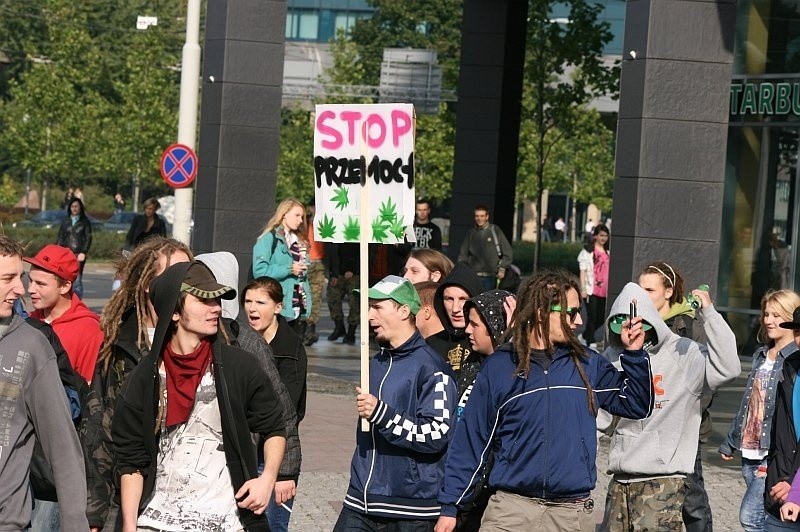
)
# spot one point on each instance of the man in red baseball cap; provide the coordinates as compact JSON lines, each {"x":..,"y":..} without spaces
{"x":53,"y":270}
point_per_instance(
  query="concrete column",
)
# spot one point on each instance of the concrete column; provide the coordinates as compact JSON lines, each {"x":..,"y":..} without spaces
{"x":493,"y":37}
{"x":240,"y":125}
{"x":671,"y":138}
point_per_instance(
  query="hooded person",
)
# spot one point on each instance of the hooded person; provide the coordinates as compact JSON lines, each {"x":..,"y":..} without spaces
{"x":194,"y":387}
{"x":225,"y":268}
{"x":452,"y":341}
{"x":650,"y":459}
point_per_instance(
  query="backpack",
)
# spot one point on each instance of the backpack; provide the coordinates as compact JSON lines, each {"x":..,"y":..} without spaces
{"x":78,"y":395}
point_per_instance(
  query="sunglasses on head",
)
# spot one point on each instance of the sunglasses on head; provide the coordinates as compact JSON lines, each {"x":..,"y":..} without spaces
{"x":571,"y":311}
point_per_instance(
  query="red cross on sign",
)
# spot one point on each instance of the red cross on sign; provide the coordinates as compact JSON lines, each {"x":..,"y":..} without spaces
{"x":178,"y":166}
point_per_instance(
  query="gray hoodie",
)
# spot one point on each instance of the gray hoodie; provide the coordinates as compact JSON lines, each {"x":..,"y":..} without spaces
{"x":665,"y":444}
{"x":33,"y":399}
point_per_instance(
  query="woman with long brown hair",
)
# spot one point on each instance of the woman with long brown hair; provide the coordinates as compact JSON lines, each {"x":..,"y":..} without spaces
{"x":281,"y":252}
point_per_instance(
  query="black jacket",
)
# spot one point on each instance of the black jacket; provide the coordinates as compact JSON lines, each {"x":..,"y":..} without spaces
{"x":783,"y":460}
{"x":464,"y":362}
{"x":292,"y":362}
{"x":138,"y":230}
{"x":77,"y":237}
{"x":342,"y":258}
{"x":248,"y":404}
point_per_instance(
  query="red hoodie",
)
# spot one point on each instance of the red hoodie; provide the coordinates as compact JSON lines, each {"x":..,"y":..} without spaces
{"x":79,"y":331}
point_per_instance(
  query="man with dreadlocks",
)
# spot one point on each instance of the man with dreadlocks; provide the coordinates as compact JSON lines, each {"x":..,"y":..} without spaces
{"x":650,"y":460}
{"x":534,"y":404}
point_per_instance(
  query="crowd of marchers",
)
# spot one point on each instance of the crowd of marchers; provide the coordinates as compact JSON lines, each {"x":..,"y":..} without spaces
{"x":483,"y":410}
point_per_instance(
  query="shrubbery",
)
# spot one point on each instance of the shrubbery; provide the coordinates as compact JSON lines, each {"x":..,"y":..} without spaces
{"x":552,"y":255}
{"x":106,"y":245}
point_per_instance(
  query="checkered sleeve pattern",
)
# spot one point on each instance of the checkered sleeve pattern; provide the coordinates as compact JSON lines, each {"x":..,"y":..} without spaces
{"x":424,"y":427}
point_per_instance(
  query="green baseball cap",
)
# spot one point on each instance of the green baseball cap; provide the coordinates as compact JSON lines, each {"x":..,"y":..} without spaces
{"x":398,"y":289}
{"x":615,"y":324}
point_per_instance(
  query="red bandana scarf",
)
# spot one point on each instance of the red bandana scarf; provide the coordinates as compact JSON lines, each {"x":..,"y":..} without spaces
{"x":183,"y":377}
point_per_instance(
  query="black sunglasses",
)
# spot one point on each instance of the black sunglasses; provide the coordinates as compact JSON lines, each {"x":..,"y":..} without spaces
{"x":571,"y":311}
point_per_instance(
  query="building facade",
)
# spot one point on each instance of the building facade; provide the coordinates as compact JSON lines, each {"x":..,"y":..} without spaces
{"x":759,"y":238}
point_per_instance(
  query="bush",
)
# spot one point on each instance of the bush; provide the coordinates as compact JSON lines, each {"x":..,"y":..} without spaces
{"x":106,"y":245}
{"x":552,"y":255}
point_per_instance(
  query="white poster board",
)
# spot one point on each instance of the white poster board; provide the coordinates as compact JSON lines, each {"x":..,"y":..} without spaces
{"x":370,"y":144}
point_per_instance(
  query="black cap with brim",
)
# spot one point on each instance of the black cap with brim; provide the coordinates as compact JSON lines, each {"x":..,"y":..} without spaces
{"x":201,"y":283}
{"x":795,"y":323}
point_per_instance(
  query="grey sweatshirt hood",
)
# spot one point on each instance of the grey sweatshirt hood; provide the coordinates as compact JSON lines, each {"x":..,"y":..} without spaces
{"x":225,"y":268}
{"x":656,"y":337}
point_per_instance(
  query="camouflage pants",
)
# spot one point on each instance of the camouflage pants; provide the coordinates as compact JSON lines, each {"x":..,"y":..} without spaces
{"x":648,"y":505}
{"x":316,"y":279}
{"x":336,"y":296}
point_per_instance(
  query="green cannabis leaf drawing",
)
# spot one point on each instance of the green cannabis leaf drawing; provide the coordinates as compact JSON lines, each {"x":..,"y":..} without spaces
{"x":379,"y":227}
{"x":388,"y":211}
{"x":398,"y":229}
{"x":351,"y":229}
{"x":340,"y":198}
{"x":326,"y":227}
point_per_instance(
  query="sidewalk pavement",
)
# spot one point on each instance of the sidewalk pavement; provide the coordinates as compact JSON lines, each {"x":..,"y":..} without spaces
{"x":327,"y":435}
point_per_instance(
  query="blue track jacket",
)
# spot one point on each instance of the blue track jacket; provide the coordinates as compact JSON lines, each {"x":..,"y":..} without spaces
{"x":398,"y":465}
{"x":540,"y":428}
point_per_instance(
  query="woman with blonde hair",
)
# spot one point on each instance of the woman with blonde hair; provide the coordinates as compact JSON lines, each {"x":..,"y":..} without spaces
{"x":424,"y":264}
{"x":752,"y":429}
{"x":281,"y":252}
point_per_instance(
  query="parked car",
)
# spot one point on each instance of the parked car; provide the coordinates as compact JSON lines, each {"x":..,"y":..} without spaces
{"x":52,"y":219}
{"x":120,"y":222}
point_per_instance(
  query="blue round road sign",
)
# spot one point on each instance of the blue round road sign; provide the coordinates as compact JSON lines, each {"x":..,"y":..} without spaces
{"x":178,"y":166}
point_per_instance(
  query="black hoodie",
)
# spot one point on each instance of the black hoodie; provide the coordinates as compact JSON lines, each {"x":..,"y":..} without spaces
{"x":452,"y":343}
{"x":247,"y":404}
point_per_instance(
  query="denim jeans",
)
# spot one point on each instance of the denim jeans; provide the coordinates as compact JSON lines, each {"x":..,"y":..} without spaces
{"x":278,"y":516}
{"x":46,"y":516}
{"x":752,"y":513}
{"x":352,"y":521}
{"x":773,"y":524}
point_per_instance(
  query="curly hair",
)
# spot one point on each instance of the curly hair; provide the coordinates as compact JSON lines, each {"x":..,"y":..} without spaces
{"x":537,"y":295}
{"x":136,"y":273}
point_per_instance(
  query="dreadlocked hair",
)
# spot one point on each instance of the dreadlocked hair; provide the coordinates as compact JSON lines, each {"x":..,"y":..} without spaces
{"x":136,"y":272}
{"x":532,"y":318}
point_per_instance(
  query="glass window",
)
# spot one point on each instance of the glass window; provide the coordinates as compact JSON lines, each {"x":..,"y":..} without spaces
{"x":302,"y":24}
{"x":759,"y":240}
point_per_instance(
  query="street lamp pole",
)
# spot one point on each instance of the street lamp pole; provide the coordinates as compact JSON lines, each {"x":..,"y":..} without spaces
{"x":187,"y":115}
{"x":27,"y":191}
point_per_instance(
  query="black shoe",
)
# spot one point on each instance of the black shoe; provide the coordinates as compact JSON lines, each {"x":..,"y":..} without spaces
{"x":311,"y":334}
{"x":338,"y":331}
{"x":350,"y":336}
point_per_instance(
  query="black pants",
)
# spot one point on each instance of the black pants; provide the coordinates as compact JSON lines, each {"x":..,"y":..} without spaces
{"x":596,"y":308}
{"x":352,"y":521}
{"x":696,"y":510}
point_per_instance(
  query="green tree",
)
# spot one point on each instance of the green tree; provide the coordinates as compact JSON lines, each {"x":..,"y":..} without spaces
{"x":564,"y":70}
{"x":427,"y":24}
{"x":296,"y":160}
{"x":90,"y":98}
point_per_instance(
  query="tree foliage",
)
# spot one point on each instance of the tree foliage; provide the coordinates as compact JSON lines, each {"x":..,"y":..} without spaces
{"x":428,"y":24}
{"x":88,"y":99}
{"x":296,"y":160}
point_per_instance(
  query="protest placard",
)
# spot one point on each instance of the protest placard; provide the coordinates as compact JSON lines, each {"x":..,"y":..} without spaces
{"x":370,"y":145}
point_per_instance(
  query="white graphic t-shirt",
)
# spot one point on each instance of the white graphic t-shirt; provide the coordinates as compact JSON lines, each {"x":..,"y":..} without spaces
{"x":193,"y":486}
